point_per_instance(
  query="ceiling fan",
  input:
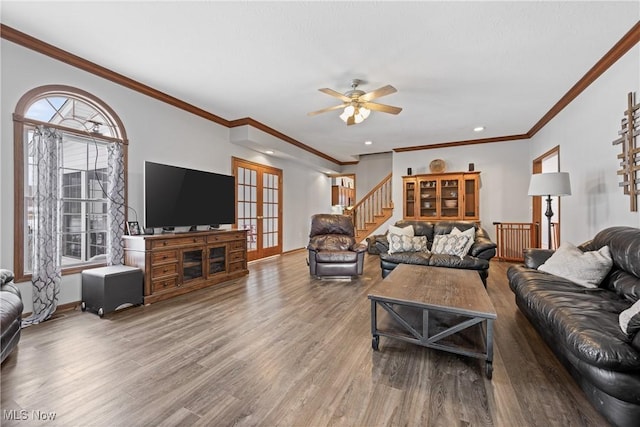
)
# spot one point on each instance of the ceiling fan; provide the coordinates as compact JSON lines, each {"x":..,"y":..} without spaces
{"x":357,"y":103}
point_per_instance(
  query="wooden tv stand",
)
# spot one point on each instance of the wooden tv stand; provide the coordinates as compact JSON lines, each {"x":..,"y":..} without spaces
{"x":174,"y":264}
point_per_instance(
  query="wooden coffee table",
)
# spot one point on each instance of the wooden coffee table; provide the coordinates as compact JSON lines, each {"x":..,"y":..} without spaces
{"x":435,"y":307}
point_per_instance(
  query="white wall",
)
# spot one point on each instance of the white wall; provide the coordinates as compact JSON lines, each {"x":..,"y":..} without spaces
{"x":584,"y":131}
{"x":156,"y":132}
{"x":504,"y":177}
{"x":369,"y":171}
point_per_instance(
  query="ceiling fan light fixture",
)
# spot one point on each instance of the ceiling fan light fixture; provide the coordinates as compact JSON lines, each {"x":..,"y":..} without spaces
{"x":349,"y":110}
{"x":364,"y":112}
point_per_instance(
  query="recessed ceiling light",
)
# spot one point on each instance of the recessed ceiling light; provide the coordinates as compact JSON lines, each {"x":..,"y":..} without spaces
{"x":269,"y":152}
{"x":478,"y":129}
{"x":368,"y":142}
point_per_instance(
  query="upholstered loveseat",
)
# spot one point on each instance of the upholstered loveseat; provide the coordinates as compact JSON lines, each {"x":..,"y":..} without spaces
{"x":10,"y":313}
{"x":582,"y":325}
{"x":477,"y":257}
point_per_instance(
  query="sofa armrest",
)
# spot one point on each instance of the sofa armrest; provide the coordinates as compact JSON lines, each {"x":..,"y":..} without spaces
{"x":483,"y":247}
{"x":535,"y":257}
{"x":358,"y":247}
{"x":6,"y":276}
{"x":382,"y":244}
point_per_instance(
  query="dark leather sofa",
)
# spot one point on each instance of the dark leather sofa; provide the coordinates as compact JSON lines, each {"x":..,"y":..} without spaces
{"x":478,"y":258}
{"x":581,"y":324}
{"x":333,"y":250}
{"x":10,"y":313}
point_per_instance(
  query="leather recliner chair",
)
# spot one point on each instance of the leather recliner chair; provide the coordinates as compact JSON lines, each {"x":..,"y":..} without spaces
{"x":333,"y":250}
{"x":10,"y":313}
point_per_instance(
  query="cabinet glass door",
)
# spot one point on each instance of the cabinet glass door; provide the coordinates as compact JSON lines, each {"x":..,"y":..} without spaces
{"x":191,"y":264}
{"x":217,"y":259}
{"x":449,"y":198}
{"x":428,"y":198}
{"x":471,"y":205}
{"x":409,"y":198}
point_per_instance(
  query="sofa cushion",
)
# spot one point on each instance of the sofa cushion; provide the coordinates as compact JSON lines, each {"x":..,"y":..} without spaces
{"x":331,"y":242}
{"x":402,"y":231}
{"x":585,"y":320}
{"x":452,"y":261}
{"x":402,"y":243}
{"x":336,"y":256}
{"x":584,"y":268}
{"x":470,"y":232}
{"x":624,"y":284}
{"x":450,"y":244}
{"x":420,"y":228}
{"x":624,"y":243}
{"x":416,"y":258}
{"x":630,"y":319}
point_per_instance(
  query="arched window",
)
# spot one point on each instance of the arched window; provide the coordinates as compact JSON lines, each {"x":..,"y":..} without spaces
{"x":87,"y":133}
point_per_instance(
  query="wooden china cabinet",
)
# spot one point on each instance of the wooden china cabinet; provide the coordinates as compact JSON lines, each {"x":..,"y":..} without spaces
{"x":440,"y":197}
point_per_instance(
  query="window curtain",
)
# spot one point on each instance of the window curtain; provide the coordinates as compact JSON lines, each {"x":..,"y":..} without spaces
{"x":47,"y":275}
{"x":115,"y":204}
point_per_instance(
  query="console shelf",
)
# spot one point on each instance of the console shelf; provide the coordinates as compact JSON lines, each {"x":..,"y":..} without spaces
{"x":174,"y":264}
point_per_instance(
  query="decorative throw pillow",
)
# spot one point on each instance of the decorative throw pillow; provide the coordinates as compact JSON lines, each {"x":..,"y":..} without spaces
{"x":470,"y":232}
{"x":587,"y":269}
{"x":400,"y":243}
{"x":630,"y":319}
{"x":449,"y":244}
{"x":403,"y":231}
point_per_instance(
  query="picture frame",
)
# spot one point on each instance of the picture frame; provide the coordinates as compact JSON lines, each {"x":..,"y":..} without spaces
{"x":133,"y":228}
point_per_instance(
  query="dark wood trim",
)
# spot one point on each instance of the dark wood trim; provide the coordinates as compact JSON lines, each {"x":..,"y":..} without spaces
{"x":39,"y":46}
{"x":629,"y":40}
{"x":248,"y":121}
{"x":550,"y":152}
{"x":19,"y":123}
{"x":461,"y":143}
{"x":237,"y":162}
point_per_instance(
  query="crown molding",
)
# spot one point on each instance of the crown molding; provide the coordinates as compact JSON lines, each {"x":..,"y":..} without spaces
{"x":629,"y":40}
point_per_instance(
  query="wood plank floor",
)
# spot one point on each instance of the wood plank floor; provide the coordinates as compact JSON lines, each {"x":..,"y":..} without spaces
{"x":279,"y":348}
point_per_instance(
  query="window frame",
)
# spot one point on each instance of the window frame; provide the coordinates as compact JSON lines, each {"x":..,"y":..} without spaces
{"x":20,"y":123}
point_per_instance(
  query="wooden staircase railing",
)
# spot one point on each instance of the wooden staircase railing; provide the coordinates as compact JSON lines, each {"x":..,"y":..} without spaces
{"x":374,"y":208}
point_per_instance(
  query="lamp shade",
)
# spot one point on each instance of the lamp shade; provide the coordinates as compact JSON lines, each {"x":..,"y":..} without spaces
{"x":550,"y":184}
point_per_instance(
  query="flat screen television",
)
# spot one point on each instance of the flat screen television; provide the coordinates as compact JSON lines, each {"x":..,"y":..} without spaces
{"x":180,"y":197}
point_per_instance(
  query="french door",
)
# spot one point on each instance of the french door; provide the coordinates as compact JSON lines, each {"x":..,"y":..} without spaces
{"x":259,"y":207}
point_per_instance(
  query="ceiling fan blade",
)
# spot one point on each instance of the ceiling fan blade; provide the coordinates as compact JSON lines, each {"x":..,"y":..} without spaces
{"x":382,"y":107}
{"x":385,"y":90}
{"x":335,"y":94}
{"x":324,"y":110}
{"x":351,"y":121}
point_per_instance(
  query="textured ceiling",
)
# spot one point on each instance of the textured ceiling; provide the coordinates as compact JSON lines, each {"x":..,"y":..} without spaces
{"x":456,"y":65}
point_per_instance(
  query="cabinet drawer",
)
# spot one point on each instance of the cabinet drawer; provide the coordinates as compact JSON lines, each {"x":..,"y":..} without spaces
{"x":164,"y":256}
{"x":164,"y":284}
{"x":236,"y":256}
{"x":237,"y":245}
{"x":164,"y":270}
{"x":236,"y":266}
{"x":225,"y":237}
{"x":180,"y":241}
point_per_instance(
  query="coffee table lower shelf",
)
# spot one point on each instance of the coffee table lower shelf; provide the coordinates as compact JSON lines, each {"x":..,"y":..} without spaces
{"x":430,"y":326}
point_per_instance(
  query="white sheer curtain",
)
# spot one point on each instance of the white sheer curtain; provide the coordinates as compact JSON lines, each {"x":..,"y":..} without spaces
{"x":47,"y":275}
